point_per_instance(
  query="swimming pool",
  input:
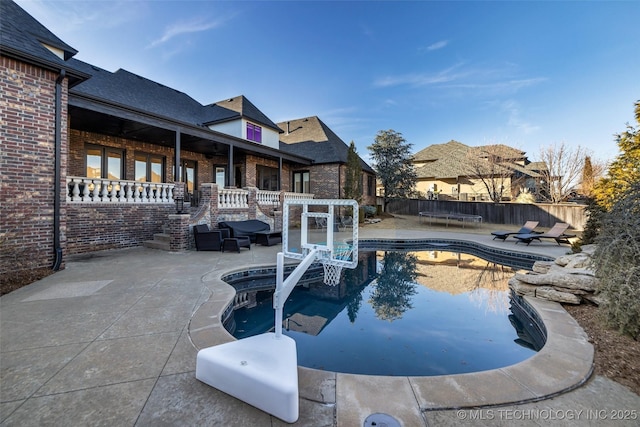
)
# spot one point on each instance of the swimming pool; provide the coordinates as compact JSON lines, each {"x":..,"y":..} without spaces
{"x":419,"y":313}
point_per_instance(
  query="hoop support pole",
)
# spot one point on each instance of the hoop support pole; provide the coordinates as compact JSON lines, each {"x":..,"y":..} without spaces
{"x":284,"y":287}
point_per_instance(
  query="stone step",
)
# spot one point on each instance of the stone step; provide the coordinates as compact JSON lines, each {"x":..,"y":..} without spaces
{"x":162,"y":237}
{"x":156,"y":244}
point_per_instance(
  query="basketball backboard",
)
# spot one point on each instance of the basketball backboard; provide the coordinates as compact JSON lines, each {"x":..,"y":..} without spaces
{"x":328,"y":225}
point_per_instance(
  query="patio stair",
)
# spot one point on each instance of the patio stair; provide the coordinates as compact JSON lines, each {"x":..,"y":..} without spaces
{"x":160,"y":241}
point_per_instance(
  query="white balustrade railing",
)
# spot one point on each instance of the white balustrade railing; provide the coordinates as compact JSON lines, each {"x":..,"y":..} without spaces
{"x":298,"y":196}
{"x":96,"y":190}
{"x":231,"y":198}
{"x":269,"y":198}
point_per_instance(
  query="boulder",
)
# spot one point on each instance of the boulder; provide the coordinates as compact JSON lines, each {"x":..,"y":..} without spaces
{"x":542,"y":267}
{"x":551,"y":294}
{"x":571,"y":281}
{"x":522,"y":288}
{"x":579,"y":260}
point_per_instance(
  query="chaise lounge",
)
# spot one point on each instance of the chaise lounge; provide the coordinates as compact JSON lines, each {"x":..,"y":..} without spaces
{"x":527,"y":228}
{"x":556,"y":233}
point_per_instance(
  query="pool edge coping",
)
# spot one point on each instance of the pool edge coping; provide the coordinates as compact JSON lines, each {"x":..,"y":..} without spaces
{"x":564,"y":363}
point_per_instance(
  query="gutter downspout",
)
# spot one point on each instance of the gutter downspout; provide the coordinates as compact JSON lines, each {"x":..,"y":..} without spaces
{"x":58,"y":154}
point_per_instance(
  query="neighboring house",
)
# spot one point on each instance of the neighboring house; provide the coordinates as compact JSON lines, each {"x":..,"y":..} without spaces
{"x":447,"y":170}
{"x":326,"y":177}
{"x":93,"y":159}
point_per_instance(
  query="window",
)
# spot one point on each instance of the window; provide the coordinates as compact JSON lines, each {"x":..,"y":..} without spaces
{"x":149,"y":168}
{"x":301,"y":182}
{"x":254,"y":132}
{"x":267,"y":178}
{"x":371,"y":185}
{"x":104,"y":162}
{"x":221,"y":173}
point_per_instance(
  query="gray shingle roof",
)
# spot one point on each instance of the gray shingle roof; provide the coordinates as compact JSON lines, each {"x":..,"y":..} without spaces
{"x":240,"y":106}
{"x":23,"y":36}
{"x":312,"y":138}
{"x":450,"y":160}
{"x":133,"y":91}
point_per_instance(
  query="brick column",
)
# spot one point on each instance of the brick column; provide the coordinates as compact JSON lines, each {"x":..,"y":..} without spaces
{"x":252,"y":202}
{"x":210,"y":197}
{"x":179,"y":232}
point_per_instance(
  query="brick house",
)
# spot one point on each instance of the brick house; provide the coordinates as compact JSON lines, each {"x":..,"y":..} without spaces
{"x":95,"y":160}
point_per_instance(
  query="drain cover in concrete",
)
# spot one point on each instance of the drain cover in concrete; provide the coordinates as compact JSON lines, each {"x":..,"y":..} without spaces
{"x":381,"y":420}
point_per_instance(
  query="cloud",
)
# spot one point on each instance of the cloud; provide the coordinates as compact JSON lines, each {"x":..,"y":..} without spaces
{"x":515,"y":119}
{"x":438,"y":45}
{"x":421,"y":79}
{"x":462,"y":77}
{"x":80,"y":16}
{"x":185,"y":27}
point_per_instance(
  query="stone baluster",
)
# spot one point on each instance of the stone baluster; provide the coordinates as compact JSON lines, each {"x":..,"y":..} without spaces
{"x":104,"y":193}
{"x":75,"y":192}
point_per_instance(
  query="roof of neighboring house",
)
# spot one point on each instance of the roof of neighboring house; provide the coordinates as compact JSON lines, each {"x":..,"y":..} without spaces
{"x":439,"y":151}
{"x":312,"y":138}
{"x":451,"y":160}
{"x":22,"y":36}
{"x":234,"y":108}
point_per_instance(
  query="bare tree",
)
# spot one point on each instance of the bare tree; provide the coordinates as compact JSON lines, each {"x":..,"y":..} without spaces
{"x":562,"y":171}
{"x":493,"y":166}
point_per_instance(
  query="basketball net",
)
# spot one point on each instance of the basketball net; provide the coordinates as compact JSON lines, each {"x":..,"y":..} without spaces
{"x":332,"y":273}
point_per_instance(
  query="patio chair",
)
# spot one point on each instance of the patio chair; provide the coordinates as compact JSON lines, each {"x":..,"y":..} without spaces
{"x":321,"y":223}
{"x":346,"y":222}
{"x":207,"y":240}
{"x":527,"y":228}
{"x":235,"y":243}
{"x":556,"y":233}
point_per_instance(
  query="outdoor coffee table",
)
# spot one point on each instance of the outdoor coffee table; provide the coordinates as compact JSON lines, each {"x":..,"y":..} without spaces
{"x":268,"y":238}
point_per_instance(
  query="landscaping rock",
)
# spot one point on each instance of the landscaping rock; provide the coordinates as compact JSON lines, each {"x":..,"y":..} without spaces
{"x":552,"y":294}
{"x":567,"y":279}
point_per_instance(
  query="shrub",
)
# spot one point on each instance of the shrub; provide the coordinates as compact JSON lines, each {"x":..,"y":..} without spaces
{"x":617,"y":263}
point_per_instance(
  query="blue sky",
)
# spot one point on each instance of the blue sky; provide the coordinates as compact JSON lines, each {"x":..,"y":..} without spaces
{"x":526,"y":74}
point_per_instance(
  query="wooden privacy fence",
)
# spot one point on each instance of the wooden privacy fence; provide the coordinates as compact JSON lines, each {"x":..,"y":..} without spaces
{"x":497,"y":213}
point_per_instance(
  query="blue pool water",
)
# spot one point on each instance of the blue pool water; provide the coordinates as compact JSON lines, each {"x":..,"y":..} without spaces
{"x":404,"y":314}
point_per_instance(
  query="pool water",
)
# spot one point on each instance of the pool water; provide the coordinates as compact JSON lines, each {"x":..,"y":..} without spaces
{"x":402,"y":314}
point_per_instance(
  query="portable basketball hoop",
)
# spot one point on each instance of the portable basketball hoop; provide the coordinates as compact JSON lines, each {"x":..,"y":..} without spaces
{"x":262,"y":370}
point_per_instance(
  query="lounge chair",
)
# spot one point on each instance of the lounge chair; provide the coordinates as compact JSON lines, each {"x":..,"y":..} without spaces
{"x":208,"y":240}
{"x":527,"y":228}
{"x":556,"y":233}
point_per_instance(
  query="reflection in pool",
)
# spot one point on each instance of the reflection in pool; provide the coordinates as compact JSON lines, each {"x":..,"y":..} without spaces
{"x":400,"y":313}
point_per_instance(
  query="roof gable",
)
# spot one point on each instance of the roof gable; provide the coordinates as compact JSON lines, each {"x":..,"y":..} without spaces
{"x":22,"y":36}
{"x":312,"y":138}
{"x":239,"y":107}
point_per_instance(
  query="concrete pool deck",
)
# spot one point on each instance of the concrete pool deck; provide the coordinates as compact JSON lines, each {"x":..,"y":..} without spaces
{"x":112,"y":340}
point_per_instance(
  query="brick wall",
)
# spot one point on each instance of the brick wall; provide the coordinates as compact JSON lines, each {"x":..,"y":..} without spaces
{"x":27,"y":114}
{"x":100,"y":226}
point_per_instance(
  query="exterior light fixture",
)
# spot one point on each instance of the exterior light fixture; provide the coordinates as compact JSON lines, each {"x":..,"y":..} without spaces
{"x":179,"y":204}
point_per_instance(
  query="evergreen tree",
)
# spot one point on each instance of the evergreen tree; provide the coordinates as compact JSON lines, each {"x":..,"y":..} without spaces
{"x":392,"y":156}
{"x":625,"y":169}
{"x":353,"y":180}
{"x":586,"y":187}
